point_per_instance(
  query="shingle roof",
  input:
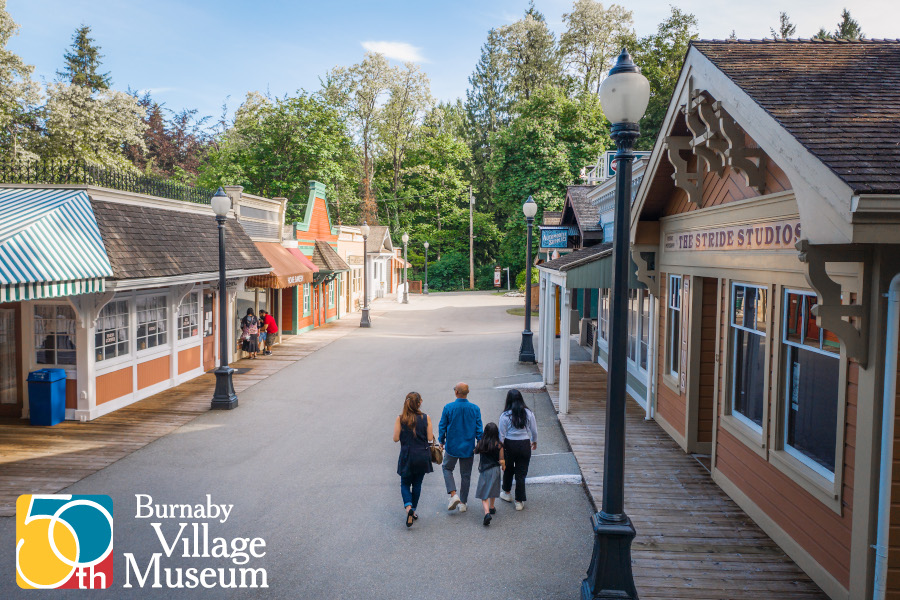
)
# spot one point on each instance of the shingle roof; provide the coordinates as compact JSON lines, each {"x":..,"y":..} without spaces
{"x":586,"y":214}
{"x":578,"y":257}
{"x":841,"y":100}
{"x":551,"y":217}
{"x":154,"y":242}
{"x":375,"y":241}
{"x":327,"y":259}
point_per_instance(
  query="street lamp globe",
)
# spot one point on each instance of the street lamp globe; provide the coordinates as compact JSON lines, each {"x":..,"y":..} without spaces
{"x":529,"y":208}
{"x":220,"y":203}
{"x":625,"y":93}
{"x":405,"y":237}
{"x":364,"y":229}
{"x":426,"y":245}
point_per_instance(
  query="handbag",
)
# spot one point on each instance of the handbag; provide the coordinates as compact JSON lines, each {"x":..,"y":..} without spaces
{"x":437,"y":454}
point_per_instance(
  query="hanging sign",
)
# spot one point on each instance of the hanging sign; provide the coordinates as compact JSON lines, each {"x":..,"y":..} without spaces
{"x":552,"y":237}
{"x":772,"y":235}
{"x":496,"y":277}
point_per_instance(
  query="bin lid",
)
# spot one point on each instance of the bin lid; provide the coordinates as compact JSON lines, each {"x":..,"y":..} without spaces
{"x":47,"y":375}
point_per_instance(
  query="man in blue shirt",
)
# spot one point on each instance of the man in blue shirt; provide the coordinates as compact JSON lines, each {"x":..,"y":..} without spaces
{"x":459,"y":430}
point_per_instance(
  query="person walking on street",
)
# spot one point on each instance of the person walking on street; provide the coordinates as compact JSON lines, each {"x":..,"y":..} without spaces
{"x":269,"y":329}
{"x":413,"y":430}
{"x":458,"y":431}
{"x":489,"y":467}
{"x":518,"y":434}
{"x":250,"y":336}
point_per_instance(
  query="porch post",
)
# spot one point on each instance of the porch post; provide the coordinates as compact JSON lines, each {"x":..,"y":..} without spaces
{"x":551,"y":335}
{"x":564,"y":342}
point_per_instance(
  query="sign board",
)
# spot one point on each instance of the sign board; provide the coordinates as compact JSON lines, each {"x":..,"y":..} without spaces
{"x":554,"y":237}
{"x":496,"y":277}
{"x":109,"y":337}
{"x":609,"y":163}
{"x":772,"y":235}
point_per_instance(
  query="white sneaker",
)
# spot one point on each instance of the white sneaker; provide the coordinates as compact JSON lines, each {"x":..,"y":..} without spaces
{"x":506,"y":496}
{"x":462,"y":507}
{"x":454,"y":502}
{"x":520,"y":505}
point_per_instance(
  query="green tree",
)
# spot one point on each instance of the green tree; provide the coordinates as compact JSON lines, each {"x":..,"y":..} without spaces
{"x":848,"y":28}
{"x":18,"y":102}
{"x":660,"y":57}
{"x":593,"y":38}
{"x":276,"y":146}
{"x":83,"y":62}
{"x":531,"y":56}
{"x":785,"y":30}
{"x":822,"y":34}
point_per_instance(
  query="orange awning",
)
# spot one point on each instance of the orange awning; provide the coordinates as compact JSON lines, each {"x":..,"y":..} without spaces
{"x":287,"y":269}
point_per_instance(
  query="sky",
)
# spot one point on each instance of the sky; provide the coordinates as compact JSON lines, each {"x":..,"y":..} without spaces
{"x":205,"y":53}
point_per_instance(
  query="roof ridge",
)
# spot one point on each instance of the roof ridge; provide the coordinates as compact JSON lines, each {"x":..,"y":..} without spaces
{"x":796,"y":41}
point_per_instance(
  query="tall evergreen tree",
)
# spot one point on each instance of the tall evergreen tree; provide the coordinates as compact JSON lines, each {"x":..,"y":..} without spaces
{"x":83,"y":62}
{"x":786,"y":29}
{"x":531,"y":55}
{"x":848,"y":28}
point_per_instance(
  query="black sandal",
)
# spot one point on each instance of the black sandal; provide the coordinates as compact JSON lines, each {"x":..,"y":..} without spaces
{"x":487,"y":520}
{"x":410,"y":517}
{"x":415,"y":516}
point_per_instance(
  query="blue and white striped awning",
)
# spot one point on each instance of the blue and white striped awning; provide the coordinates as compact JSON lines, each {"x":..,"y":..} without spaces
{"x":50,"y":245}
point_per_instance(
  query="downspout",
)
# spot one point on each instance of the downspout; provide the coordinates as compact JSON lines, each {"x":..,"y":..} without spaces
{"x":887,"y":439}
{"x":654,"y":358}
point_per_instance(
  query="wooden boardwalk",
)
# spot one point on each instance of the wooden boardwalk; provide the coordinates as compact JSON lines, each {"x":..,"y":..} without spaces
{"x":692,"y":541}
{"x":45,"y":460}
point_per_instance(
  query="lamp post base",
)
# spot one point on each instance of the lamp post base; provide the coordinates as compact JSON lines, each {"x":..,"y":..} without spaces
{"x":526,"y":350}
{"x":405,"y":298}
{"x":224,"y":397}
{"x":426,"y":289}
{"x":365,"y":322}
{"x":609,"y":575}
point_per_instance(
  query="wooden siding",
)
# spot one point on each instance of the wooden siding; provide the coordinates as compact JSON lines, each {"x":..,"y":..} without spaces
{"x":287,"y":308}
{"x":153,"y":372}
{"x":319,"y":226}
{"x":707,"y":360}
{"x":893,"y":574}
{"x":728,"y":188}
{"x":115,"y":385}
{"x":670,"y":405}
{"x":188,"y":360}
{"x":71,"y":393}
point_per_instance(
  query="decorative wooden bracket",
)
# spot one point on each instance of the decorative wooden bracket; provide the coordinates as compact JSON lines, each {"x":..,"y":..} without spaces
{"x":749,"y":162}
{"x":645,"y":258}
{"x":181,"y":292}
{"x":88,"y":307}
{"x":706,"y":143}
{"x":832,"y":312}
{"x":684,"y":179}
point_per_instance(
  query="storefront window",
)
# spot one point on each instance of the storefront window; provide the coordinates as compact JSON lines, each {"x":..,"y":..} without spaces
{"x":604,"y":314}
{"x":673,"y":325}
{"x":331,"y":294}
{"x":151,"y":321}
{"x":811,"y":384}
{"x":748,"y":330}
{"x":645,"y":328}
{"x":188,"y":316}
{"x":638,"y":327}
{"x":111,"y":338}
{"x":305,"y":299}
{"x":54,"y":334}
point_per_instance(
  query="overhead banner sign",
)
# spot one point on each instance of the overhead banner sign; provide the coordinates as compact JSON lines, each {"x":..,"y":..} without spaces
{"x":774,"y":235}
{"x":554,"y":237}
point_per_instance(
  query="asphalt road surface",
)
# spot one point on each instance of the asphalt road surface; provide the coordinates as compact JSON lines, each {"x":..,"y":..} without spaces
{"x":308,"y":464}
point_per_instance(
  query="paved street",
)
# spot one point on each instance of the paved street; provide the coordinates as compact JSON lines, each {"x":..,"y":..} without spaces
{"x":309,"y":465}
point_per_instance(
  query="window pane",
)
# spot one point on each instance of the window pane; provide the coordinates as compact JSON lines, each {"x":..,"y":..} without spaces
{"x":738,"y":314}
{"x":749,"y":383}
{"x":674,"y":341}
{"x":812,"y":329}
{"x":645,"y":326}
{"x":793,"y":328}
{"x":812,"y":387}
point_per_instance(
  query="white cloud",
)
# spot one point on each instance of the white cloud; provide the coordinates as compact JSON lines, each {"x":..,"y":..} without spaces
{"x":397,"y":50}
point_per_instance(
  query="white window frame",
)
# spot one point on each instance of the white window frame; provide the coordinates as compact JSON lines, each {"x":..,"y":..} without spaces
{"x":808,"y":462}
{"x":68,"y":367}
{"x":746,"y":421}
{"x":159,"y":348}
{"x":603,"y":325}
{"x":307,"y":304}
{"x":127,"y":356}
{"x":673,"y":347}
{"x":191,"y":300}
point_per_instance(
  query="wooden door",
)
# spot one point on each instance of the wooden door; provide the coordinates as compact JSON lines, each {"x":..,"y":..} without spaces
{"x":209,"y":331}
{"x":10,"y":359}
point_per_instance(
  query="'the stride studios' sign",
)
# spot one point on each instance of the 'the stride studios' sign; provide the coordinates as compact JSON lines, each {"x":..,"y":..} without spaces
{"x":774,"y":235}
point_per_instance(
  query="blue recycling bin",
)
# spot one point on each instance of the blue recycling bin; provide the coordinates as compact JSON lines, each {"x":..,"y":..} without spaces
{"x":47,"y":396}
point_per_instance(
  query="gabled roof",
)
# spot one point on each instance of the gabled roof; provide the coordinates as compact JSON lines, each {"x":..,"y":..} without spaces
{"x":840,"y":100}
{"x":569,"y":261}
{"x":379,"y":240}
{"x":586,"y":215}
{"x":327,"y":259}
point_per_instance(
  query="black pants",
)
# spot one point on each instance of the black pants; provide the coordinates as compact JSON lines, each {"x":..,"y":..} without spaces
{"x":517,"y":454}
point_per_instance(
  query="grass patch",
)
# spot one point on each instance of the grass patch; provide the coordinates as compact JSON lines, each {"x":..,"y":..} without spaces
{"x":519,"y":311}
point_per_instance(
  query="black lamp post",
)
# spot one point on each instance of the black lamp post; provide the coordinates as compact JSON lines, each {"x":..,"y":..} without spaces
{"x":405,"y":238}
{"x":426,"y":269}
{"x":364,"y":321}
{"x":526,"y":350}
{"x":624,"y":96}
{"x":224,"y":397}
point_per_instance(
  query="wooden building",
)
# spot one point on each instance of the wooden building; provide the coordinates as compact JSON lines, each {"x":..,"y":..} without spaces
{"x":767,"y":231}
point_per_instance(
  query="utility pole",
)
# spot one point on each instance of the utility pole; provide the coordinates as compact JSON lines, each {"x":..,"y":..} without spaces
{"x":471,"y":242}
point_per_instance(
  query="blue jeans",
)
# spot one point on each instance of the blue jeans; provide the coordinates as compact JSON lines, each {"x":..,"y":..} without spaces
{"x":411,"y":496}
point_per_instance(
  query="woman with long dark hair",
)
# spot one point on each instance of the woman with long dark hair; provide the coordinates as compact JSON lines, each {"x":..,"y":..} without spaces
{"x":518,"y":434}
{"x":489,"y":467}
{"x":413,"y":430}
{"x":250,"y":334}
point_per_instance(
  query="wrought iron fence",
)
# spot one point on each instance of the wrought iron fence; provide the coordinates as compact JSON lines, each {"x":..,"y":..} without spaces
{"x":83,"y":173}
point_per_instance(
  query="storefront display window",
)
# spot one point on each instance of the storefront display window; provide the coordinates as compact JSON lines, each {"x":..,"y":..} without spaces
{"x":187,"y":319}
{"x":748,"y":351}
{"x":151,"y":321}
{"x":812,"y":364}
{"x":673,"y":325}
{"x":111,"y":339}
{"x":54,"y":334}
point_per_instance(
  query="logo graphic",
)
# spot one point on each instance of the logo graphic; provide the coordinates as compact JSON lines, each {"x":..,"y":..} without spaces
{"x":64,"y":541}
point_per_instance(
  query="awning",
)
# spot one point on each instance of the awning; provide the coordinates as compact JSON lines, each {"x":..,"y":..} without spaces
{"x":589,"y":268}
{"x":50,"y":245}
{"x":287,"y":269}
{"x":297,"y":252}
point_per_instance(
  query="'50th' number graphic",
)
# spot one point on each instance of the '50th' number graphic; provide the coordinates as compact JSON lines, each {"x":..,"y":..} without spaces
{"x":64,"y":541}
